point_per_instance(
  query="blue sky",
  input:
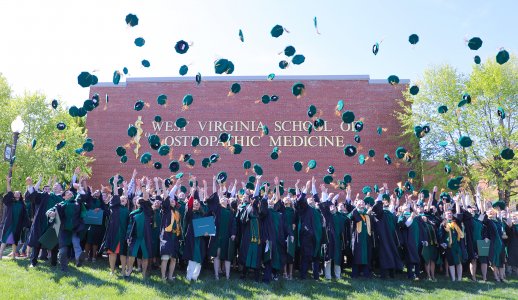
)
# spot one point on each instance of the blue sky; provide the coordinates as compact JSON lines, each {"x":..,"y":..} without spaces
{"x":46,"y":44}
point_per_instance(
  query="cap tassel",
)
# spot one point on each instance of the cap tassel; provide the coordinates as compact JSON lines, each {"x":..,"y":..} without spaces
{"x":307,"y":169}
{"x":230,"y":94}
{"x":337,"y":113}
{"x":185,"y":107}
{"x":285,"y":29}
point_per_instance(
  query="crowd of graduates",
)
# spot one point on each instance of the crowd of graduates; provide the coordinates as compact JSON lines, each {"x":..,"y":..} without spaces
{"x":263,"y":233}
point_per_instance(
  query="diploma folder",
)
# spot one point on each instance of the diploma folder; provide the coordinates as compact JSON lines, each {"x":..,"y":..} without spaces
{"x":94,"y":218}
{"x":203,"y":226}
{"x":483,"y":247}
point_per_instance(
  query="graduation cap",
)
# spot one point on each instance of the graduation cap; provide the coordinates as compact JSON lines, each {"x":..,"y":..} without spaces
{"x":121,"y":151}
{"x":61,"y":126}
{"x":379,"y":130}
{"x":298,"y":89}
{"x":198,"y":78}
{"x":357,"y":138}
{"x":361,"y":159}
{"x":297,"y":166}
{"x":312,"y":164}
{"x":178,"y":176}
{"x":366,"y":189}
{"x":393,"y":79}
{"x":258,"y":169}
{"x":447,"y":169}
{"x":33,"y":143}
{"x":476,"y":59}
{"x":145,"y":63}
{"x":502,"y":57}
{"x":414,"y":90}
{"x":265,"y":99}
{"x":187,"y":101}
{"x":331,"y":170}
{"x":327,"y":179}
{"x":498,"y":204}
{"x":223,"y":65}
{"x":251,"y":178}
{"x":145,"y":158}
{"x":369,"y":200}
{"x":265,"y":130}
{"x":501,"y":113}
{"x":350,"y":150}
{"x":250,"y":185}
{"x":454,"y":183}
{"x":157,"y":165}
{"x":174,"y":166}
{"x":372,"y":153}
{"x":358,"y":126}
{"x":275,"y":153}
{"x":181,"y":47}
{"x":205,"y":162}
{"x":348,"y":117}
{"x":139,"y":105}
{"x":236,"y":148}
{"x":318,"y":123}
{"x":125,"y":71}
{"x":224,"y":137}
{"x":400,"y":152}
{"x":214,"y":157}
{"x":85,"y":79}
{"x":298,"y":59}
{"x":443,"y":143}
{"x":132,"y":131}
{"x":195,"y":142}
{"x":387,"y":159}
{"x":61,"y":144}
{"x":283,"y":64}
{"x":289,"y":51}
{"x":310,"y":128}
{"x":465,"y":141}
{"x":418,"y":131}
{"x":221,"y":177}
{"x":411,"y":174}
{"x":375,"y":48}
{"x":507,"y":154}
{"x":270,"y":77}
{"x":154,"y":141}
{"x":339,"y":106}
{"x":348,"y":178}
{"x":425,"y":192}
{"x":157,"y":119}
{"x":277,"y":31}
{"x":88,"y":145}
{"x":241,"y":36}
{"x":124,"y":159}
{"x":181,"y":122}
{"x":54,"y":104}
{"x":139,"y":42}
{"x":475,"y":43}
{"x":183,"y":70}
{"x":88,"y":105}
{"x":131,"y":20}
{"x":247,"y":164}
{"x":234,"y":89}
{"x":442,"y":109}
{"x":274,"y":98}
{"x":312,"y":110}
{"x":408,"y":186}
{"x":413,"y":39}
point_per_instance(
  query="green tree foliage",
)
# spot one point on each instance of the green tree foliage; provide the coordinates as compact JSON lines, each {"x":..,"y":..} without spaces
{"x":40,"y":121}
{"x":490,"y":86}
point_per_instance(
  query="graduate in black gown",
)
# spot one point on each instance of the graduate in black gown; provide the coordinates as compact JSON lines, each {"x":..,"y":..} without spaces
{"x":14,"y":220}
{"x":362,"y":236}
{"x":170,"y":231}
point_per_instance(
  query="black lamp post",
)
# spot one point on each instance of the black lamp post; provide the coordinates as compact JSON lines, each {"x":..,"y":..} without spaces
{"x":16,"y":127}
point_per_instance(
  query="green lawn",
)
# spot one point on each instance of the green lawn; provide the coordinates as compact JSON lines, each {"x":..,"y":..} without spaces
{"x":93,"y":281}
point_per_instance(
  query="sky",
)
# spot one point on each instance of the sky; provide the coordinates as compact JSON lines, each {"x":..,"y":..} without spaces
{"x":46,"y":44}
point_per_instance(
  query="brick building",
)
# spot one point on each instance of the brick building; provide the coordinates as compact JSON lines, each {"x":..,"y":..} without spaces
{"x":242,"y":115}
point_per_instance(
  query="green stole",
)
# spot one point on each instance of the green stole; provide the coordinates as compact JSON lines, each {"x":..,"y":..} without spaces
{"x":255,"y":240}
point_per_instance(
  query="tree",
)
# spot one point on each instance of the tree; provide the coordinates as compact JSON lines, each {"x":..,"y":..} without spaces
{"x":491,"y":86}
{"x":40,"y":124}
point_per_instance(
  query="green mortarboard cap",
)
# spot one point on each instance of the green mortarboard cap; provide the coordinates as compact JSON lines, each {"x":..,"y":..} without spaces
{"x":408,"y":186}
{"x":372,"y":153}
{"x":180,"y":122}
{"x":33,"y":143}
{"x":88,"y":146}
{"x":350,"y":150}
{"x":183,"y":189}
{"x":366,"y":189}
{"x":119,"y":181}
{"x":393,"y":79}
{"x":154,"y":141}
{"x":132,"y":20}
{"x":183,"y":70}
{"x":237,"y":149}
{"x":271,"y":76}
{"x":195,"y":142}
{"x":375,"y":48}
{"x":258,"y":169}
{"x":442,"y":109}
{"x":187,"y":100}
{"x":501,"y":113}
{"x":340,"y":105}
{"x":387,"y":159}
{"x":214,"y":157}
{"x":507,"y":154}
{"x":400,"y":152}
{"x":312,"y":164}
{"x":283,"y":64}
{"x":181,"y":47}
{"x":476,"y":59}
{"x":357,"y":138}
{"x":241,"y":36}
{"x":348,"y":117}
{"x":498,"y":204}
{"x":318,"y":123}
{"x":443,"y":143}
{"x":369,"y":200}
{"x":145,"y":63}
{"x":274,"y":155}
{"x":289,"y":51}
{"x":224,"y":137}
{"x":161,"y":99}
{"x":297,"y":166}
{"x":132,"y":131}
{"x":145,"y":158}
{"x":221,"y":177}
{"x":312,"y":110}
{"x":331,"y":170}
{"x":277,"y":31}
{"x":250,"y":185}
{"x":191,"y":162}
{"x":411,"y":174}
{"x":379,"y":130}
{"x":298,"y":59}
{"x":61,"y":145}
{"x":265,"y":99}
{"x":298,"y":89}
{"x":310,"y":128}
{"x":274,"y":98}
{"x":61,"y":126}
{"x":125,"y":71}
{"x":157,"y":165}
{"x":54,"y":104}
{"x":265,"y":130}
{"x":223,"y":65}
{"x":348,"y":178}
{"x":235,"y":88}
{"x":361,"y":159}
{"x":158,"y":119}
{"x":124,"y":159}
{"x":174,"y":166}
{"x":251,"y":178}
{"x":88,"y":105}
{"x":502,"y":57}
{"x":426,"y":128}
{"x":247,"y":164}
{"x":385,"y":197}
{"x":418,"y":131}
{"x":475,"y":43}
{"x":328,"y":179}
{"x":414,"y":90}
{"x":121,"y":151}
{"x":358,"y":126}
{"x":413,"y":39}
{"x":292,"y":191}
{"x":167,"y":182}
{"x":198,"y":78}
{"x":85,"y":79}
{"x":447,"y":169}
{"x":454,"y":183}
{"x":139,"y":105}
{"x":426,"y":193}
{"x":205,"y":162}
{"x":465,"y":141}
{"x":186,"y":157}
{"x":139,"y":42}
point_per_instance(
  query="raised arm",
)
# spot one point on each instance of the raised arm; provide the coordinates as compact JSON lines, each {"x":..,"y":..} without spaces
{"x":277,"y":192}
{"x":8,"y":184}
{"x":297,"y":191}
{"x":233,"y":190}
{"x":257,"y":186}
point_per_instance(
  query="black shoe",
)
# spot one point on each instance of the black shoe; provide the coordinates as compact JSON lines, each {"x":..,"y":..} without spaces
{"x":81,"y":259}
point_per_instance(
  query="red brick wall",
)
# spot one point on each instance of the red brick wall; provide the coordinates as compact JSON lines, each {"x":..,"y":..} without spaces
{"x":374,"y":102}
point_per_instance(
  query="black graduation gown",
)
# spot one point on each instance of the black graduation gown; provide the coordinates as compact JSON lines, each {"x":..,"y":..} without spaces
{"x":385,"y":229}
{"x":42,"y":202}
{"x":306,"y":226}
{"x":329,"y":231}
{"x":362,"y":242}
{"x":13,"y":224}
{"x":223,"y":217}
{"x":195,"y":247}
{"x":467,"y":220}
{"x":413,"y":237}
{"x":170,"y":240}
{"x":250,"y":254}
{"x":71,"y":216}
{"x":95,"y":233}
{"x":117,"y":227}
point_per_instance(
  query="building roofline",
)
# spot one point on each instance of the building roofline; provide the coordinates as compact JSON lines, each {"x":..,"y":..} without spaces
{"x":250,"y":78}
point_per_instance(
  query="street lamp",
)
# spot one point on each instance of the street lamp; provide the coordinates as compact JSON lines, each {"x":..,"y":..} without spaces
{"x":16,"y":127}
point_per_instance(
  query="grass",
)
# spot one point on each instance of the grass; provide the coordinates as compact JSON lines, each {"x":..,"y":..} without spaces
{"x":93,"y":281}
